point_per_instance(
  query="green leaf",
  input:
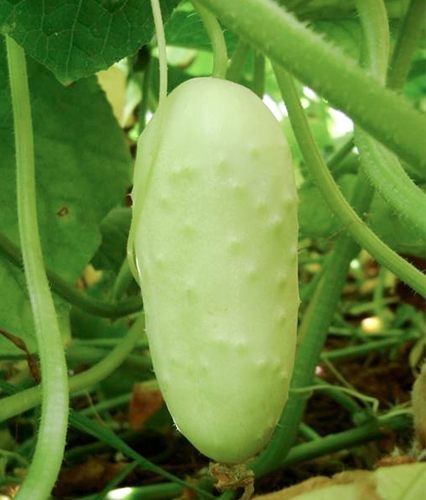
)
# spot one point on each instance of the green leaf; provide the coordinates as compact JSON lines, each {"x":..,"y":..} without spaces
{"x":76,"y":38}
{"x":185,"y":29}
{"x":82,"y":172}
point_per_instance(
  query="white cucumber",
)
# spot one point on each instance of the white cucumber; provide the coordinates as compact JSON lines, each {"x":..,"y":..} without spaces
{"x":215,"y":240}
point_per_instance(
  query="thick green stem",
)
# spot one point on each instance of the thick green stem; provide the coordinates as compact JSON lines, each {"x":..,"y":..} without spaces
{"x":383,"y":168}
{"x":334,"y":198}
{"x":390,"y":180}
{"x":30,"y":398}
{"x":217,"y":40}
{"x":407,"y":41}
{"x":289,"y":43}
{"x":76,"y":297}
{"x":49,"y":451}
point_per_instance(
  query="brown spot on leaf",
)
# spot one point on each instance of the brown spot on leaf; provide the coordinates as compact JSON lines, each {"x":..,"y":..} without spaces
{"x":62,"y":211}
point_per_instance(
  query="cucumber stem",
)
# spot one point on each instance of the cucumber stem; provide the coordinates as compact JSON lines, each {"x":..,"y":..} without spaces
{"x":215,"y":33}
{"x":162,"y":54}
{"x":49,"y":451}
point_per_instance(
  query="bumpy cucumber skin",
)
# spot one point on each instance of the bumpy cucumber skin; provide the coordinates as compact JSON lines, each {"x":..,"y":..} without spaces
{"x":216,"y":250}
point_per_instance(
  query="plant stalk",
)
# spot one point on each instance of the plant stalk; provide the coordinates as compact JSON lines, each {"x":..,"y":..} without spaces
{"x":49,"y":451}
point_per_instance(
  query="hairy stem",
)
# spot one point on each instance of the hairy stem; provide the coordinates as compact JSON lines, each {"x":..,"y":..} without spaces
{"x":323,"y":67}
{"x":383,"y":168}
{"x":49,"y":450}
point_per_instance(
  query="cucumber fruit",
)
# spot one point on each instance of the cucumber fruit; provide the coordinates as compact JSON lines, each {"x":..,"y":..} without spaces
{"x":215,"y":240}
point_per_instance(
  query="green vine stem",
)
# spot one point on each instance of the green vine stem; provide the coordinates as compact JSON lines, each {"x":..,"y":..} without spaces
{"x":30,"y":398}
{"x":375,"y":28}
{"x":406,"y":45}
{"x":344,"y":400}
{"x":217,"y":40}
{"x":362,"y":349}
{"x":140,"y":185}
{"x":259,"y":75}
{"x":390,"y":180}
{"x":278,"y":34}
{"x":340,"y":154}
{"x":344,"y":440}
{"x":74,"y":296}
{"x":50,"y":446}
{"x":123,"y":281}
{"x":81,"y":354}
{"x":162,"y":55}
{"x":238,"y":60}
{"x":383,"y":168}
{"x":333,"y":196}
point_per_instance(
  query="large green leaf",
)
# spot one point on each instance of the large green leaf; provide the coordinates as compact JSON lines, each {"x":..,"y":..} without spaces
{"x":82,"y":171}
{"x":185,"y":29}
{"x":76,"y":38}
